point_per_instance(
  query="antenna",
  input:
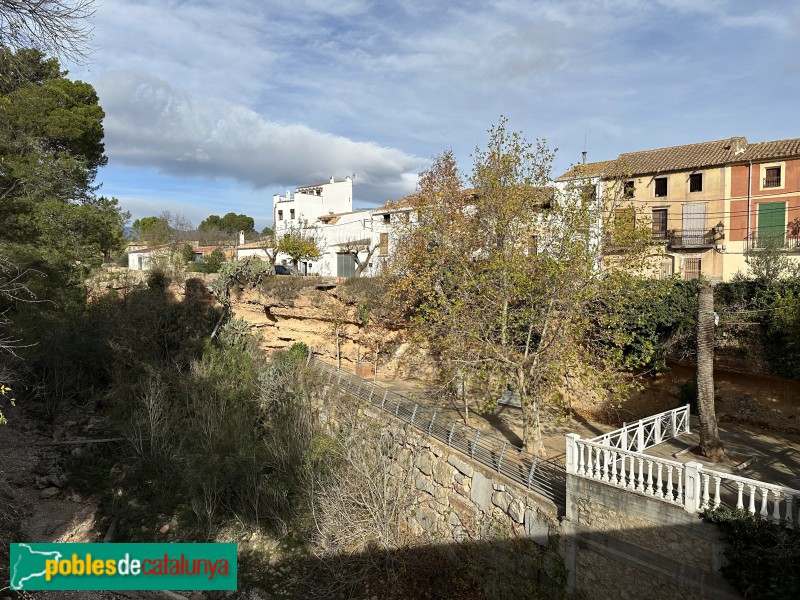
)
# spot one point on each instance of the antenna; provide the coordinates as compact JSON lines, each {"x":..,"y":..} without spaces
{"x":583,"y":154}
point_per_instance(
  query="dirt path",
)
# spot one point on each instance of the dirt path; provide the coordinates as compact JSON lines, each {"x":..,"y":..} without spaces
{"x":51,"y":511}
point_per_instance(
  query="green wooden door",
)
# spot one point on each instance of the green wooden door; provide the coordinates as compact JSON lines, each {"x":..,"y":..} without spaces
{"x":771,"y":224}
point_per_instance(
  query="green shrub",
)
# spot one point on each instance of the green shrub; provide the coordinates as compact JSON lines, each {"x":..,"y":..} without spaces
{"x":763,"y":556}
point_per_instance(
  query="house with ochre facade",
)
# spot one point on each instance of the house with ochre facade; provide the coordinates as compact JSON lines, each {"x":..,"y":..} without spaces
{"x":710,"y":206}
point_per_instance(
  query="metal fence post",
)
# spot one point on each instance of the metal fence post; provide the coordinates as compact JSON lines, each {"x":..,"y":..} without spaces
{"x":532,"y":471}
{"x":475,"y":442}
{"x":430,"y":426}
{"x":383,"y":403}
{"x":450,"y":435}
{"x":414,"y":413}
{"x":371,"y":393}
{"x":500,"y":460}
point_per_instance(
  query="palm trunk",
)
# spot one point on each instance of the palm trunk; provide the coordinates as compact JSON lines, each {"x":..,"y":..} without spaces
{"x":710,"y":444}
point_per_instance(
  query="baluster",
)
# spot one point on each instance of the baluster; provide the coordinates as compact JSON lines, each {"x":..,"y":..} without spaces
{"x":705,"y":480}
{"x":597,"y":463}
{"x":605,"y":473}
{"x":679,"y":499}
{"x":739,"y":501}
{"x":776,"y":506}
{"x":640,"y":481}
{"x":717,"y":481}
{"x":579,"y":449}
{"x":659,"y":491}
{"x":670,"y":491}
{"x":648,"y":488}
{"x":752,"y":508}
{"x":789,"y":515}
{"x":612,"y":475}
{"x":632,"y":472}
{"x":589,"y":461}
{"x":764,"y":496}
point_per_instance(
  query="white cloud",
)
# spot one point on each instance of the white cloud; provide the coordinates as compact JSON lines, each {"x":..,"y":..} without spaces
{"x":150,"y":123}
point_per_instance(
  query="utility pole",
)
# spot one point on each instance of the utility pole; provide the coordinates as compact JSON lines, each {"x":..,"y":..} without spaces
{"x":710,"y":444}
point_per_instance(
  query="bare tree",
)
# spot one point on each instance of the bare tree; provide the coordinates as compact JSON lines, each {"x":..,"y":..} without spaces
{"x":357,"y":247}
{"x":57,"y":27}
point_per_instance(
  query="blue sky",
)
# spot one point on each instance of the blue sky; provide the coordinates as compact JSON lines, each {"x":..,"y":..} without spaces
{"x":213,"y":106}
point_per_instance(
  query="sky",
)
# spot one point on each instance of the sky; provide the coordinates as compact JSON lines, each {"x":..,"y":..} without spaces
{"x":213,"y":106}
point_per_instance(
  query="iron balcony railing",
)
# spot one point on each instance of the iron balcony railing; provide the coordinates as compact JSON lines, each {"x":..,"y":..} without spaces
{"x":772,"y":182}
{"x":788,"y":241}
{"x":543,"y":476}
{"x":691,"y":238}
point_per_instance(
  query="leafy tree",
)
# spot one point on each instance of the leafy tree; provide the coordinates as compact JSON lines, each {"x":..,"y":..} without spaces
{"x":231,"y":223}
{"x":51,"y":143}
{"x":300,"y":244}
{"x":267,"y":232}
{"x":507,"y":292}
{"x":153,"y":230}
{"x":164,"y":229}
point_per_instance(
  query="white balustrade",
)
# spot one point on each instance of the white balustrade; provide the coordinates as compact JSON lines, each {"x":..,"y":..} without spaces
{"x":689,"y":485}
{"x":651,"y":431}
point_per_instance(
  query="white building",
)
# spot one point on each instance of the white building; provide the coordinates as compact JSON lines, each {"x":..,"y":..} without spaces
{"x":310,"y":202}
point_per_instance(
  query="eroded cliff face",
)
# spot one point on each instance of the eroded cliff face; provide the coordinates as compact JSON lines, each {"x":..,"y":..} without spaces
{"x":322,"y":317}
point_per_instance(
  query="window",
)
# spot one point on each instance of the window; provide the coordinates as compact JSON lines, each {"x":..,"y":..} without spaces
{"x":384,"y":244}
{"x":772,"y":177}
{"x":387,"y":218}
{"x":534,"y":245}
{"x":691,"y":268}
{"x":280,"y":215}
{"x":629,"y":189}
{"x":291,"y":213}
{"x":659,"y":223}
{"x":696,"y":182}
{"x":661,"y":187}
{"x":588,"y":193}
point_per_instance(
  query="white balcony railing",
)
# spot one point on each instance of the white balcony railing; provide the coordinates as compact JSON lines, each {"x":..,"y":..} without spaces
{"x":617,"y":459}
{"x":651,"y":431}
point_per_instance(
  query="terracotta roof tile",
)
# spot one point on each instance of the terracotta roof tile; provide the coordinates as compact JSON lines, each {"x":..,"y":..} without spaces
{"x":769,"y":150}
{"x":691,"y":156}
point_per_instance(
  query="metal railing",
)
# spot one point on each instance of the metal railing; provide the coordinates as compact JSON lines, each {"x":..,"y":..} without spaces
{"x":774,"y":181}
{"x":647,"y":432}
{"x":780,"y":240}
{"x":685,"y":238}
{"x":543,"y":476}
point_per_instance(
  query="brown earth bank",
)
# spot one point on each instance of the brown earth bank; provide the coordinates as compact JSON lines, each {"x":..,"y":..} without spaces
{"x":325,"y":314}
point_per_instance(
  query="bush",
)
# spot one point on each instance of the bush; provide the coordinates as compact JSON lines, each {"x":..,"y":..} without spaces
{"x":763,"y":556}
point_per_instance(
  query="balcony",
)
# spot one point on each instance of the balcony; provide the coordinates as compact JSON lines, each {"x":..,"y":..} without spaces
{"x":692,"y":238}
{"x":788,"y":241}
{"x":772,"y":181}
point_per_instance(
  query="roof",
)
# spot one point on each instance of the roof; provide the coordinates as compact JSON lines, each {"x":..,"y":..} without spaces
{"x":149,"y":249}
{"x":255,"y":245}
{"x":331,"y":218}
{"x":774,"y":149}
{"x":691,"y":156}
{"x":205,"y":248}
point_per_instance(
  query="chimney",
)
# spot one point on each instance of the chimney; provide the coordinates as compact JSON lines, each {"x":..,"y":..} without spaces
{"x":241,"y":237}
{"x":583,"y":157}
{"x":331,"y":181}
{"x":737,"y":145}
